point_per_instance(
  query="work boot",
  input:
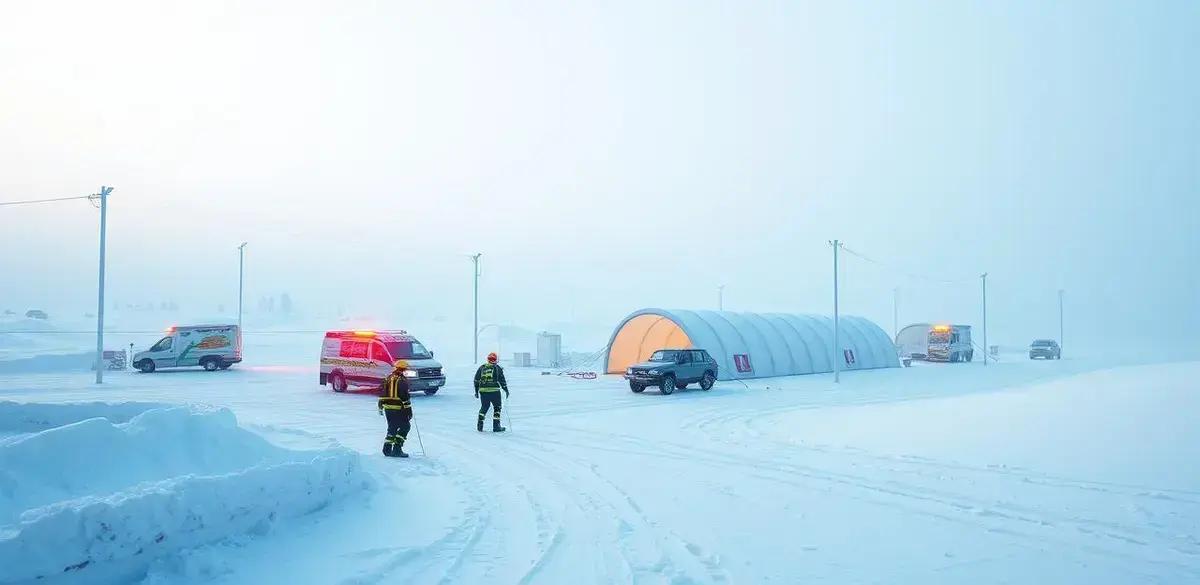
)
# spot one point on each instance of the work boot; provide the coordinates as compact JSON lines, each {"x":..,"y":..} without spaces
{"x":399,"y":452}
{"x":479,"y":425}
{"x":496,"y":428}
{"x":387,"y":449}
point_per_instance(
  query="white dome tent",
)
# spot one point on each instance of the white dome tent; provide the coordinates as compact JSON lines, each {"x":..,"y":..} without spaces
{"x":751,"y":345}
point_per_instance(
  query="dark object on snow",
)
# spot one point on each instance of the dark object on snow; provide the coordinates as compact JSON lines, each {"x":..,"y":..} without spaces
{"x":37,"y":314}
{"x":1047,"y":349}
{"x":673,"y":369}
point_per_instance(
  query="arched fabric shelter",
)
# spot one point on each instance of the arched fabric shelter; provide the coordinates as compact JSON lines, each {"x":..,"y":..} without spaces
{"x":752,"y":345}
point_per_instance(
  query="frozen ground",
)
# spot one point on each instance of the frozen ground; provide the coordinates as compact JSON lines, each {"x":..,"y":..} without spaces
{"x":1042,"y":472}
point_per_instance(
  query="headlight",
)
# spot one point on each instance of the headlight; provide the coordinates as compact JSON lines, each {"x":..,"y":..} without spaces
{"x":653,"y":372}
{"x":629,"y":371}
{"x":410,"y":373}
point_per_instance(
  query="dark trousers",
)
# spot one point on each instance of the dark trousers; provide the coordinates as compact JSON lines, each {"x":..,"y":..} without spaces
{"x":491,"y":399}
{"x":399,"y":422}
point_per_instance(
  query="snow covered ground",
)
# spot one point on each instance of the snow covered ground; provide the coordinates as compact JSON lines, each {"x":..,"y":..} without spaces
{"x":1021,"y":472}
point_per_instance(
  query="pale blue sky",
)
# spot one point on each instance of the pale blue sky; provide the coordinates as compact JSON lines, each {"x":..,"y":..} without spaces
{"x":613,"y":155}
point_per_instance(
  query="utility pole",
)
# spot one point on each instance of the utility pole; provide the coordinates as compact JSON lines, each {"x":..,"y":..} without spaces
{"x":1060,"y":322}
{"x":837,"y":341}
{"x":986,"y":349}
{"x":241,"y":281}
{"x":721,"y":297}
{"x":104,"y":192}
{"x":475,"y":328}
{"x":895,"y":313}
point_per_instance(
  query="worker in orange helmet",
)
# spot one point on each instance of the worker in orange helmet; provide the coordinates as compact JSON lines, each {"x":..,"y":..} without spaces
{"x":489,"y":381}
{"x":396,"y":403}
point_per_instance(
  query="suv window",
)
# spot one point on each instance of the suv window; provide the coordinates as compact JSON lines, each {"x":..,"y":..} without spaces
{"x":663,"y":355}
{"x":699,"y":356}
{"x":684,"y":357}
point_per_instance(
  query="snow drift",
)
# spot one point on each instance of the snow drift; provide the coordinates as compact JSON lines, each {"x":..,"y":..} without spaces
{"x":101,"y":498}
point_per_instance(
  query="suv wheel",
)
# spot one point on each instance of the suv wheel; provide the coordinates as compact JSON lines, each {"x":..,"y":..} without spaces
{"x":706,"y":383}
{"x":146,"y":366}
{"x":668,"y":384}
{"x":338,"y":382}
{"x":210,"y":365}
{"x":636,"y":388}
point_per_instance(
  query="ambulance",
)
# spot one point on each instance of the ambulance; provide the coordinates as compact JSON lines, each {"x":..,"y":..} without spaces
{"x":365,"y":358}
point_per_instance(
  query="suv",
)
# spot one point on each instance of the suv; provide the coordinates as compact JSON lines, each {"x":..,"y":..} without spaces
{"x":1045,"y":349}
{"x":673,"y":369}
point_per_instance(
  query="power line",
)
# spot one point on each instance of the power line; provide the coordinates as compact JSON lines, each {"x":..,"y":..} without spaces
{"x":32,"y":201}
{"x":913,"y":275}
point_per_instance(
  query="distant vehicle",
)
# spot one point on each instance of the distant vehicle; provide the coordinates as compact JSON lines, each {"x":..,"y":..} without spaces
{"x":212,"y":347}
{"x":36,"y":314}
{"x":673,"y":369}
{"x":365,"y":358}
{"x":1046,"y":349}
{"x":935,"y":343}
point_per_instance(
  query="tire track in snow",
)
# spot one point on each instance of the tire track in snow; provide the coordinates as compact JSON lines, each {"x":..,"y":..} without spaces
{"x":958,"y":508}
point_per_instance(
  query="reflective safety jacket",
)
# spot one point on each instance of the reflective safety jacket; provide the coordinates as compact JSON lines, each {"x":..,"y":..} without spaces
{"x":490,"y":378}
{"x":393,"y":393}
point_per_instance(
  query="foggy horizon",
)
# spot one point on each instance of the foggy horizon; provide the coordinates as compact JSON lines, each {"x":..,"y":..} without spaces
{"x":607,"y":158}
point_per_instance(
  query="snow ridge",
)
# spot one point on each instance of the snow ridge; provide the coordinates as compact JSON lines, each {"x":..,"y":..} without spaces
{"x":95,"y":496}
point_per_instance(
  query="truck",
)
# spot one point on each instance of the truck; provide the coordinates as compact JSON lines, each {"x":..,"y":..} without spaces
{"x":366,"y":357}
{"x":935,"y":343}
{"x":212,"y":347}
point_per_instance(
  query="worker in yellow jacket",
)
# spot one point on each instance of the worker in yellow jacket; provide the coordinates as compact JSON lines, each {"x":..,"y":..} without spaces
{"x":396,"y":403}
{"x":489,"y":381}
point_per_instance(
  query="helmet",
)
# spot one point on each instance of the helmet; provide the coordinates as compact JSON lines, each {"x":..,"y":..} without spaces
{"x":492,"y":358}
{"x":401,"y":365}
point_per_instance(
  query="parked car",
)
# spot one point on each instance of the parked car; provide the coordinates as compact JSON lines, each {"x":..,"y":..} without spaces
{"x":365,"y":358}
{"x":673,"y":369}
{"x":1047,"y":349}
{"x":212,"y":347}
{"x":36,"y":314}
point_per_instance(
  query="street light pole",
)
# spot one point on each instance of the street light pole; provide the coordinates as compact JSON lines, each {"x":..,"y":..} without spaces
{"x":986,"y":349}
{"x":104,"y":192}
{"x":475,"y":328}
{"x":895,"y":313}
{"x":1060,"y":322}
{"x":241,"y":281}
{"x":721,"y":297}
{"x":837,"y":341}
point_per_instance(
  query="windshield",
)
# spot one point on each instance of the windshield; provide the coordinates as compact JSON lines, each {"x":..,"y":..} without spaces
{"x":939,"y":337}
{"x":408,"y":350}
{"x":162,"y":345}
{"x":1043,"y":343}
{"x":664,"y":356}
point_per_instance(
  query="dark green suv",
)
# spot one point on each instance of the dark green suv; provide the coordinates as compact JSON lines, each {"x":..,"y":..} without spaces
{"x":673,"y":369}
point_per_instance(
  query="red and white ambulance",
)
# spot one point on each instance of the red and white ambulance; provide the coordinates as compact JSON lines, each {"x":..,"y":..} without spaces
{"x":365,"y":358}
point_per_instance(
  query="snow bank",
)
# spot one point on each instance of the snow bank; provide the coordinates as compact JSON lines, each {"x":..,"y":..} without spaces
{"x":16,"y":417}
{"x":102,"y":498}
{"x":53,"y":362}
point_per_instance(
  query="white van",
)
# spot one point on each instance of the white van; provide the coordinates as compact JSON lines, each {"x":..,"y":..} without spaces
{"x":213,"y":347}
{"x":365,"y":358}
